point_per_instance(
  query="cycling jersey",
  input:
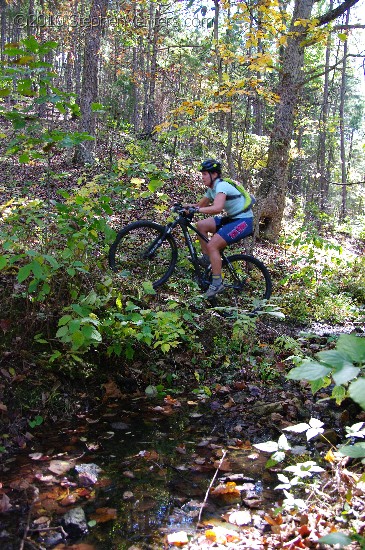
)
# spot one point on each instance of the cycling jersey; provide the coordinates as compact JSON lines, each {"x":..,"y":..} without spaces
{"x":234,"y":200}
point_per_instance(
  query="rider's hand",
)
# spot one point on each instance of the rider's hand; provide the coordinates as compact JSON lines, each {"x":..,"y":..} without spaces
{"x":189,"y":209}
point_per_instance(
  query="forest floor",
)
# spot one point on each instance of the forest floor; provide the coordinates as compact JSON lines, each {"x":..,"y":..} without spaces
{"x":207,"y":484}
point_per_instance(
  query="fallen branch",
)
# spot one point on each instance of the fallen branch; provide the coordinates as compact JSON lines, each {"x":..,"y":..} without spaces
{"x":210,"y":486}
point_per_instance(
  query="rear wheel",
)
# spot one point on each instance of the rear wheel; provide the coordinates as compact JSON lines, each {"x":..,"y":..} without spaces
{"x":138,"y":254}
{"x":247,"y":284}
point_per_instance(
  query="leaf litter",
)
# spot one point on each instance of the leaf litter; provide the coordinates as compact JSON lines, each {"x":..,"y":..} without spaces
{"x":191,"y":482}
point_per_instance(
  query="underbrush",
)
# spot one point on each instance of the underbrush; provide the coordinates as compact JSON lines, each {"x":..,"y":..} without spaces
{"x":324,"y":281}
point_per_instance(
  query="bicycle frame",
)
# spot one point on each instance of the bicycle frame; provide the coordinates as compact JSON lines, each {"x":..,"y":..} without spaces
{"x":185,"y":223}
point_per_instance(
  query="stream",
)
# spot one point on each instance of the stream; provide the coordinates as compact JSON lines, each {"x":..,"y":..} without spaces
{"x":133,"y":474}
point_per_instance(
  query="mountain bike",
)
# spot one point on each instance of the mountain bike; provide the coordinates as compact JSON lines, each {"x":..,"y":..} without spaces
{"x":147,"y":251}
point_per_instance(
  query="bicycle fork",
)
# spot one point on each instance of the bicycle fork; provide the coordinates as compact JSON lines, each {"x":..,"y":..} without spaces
{"x":157,"y":243}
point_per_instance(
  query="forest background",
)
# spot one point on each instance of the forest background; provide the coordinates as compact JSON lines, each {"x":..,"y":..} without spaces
{"x":107,"y":108}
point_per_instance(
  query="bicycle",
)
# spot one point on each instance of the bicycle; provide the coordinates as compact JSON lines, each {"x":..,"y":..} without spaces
{"x":147,"y":251}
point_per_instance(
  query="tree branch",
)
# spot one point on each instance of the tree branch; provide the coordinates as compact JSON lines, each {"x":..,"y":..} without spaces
{"x":347,"y":27}
{"x":331,"y":68}
{"x":333,"y":14}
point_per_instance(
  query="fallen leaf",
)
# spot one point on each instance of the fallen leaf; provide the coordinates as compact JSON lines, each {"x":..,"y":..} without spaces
{"x":149,"y":455}
{"x":36,"y":456}
{"x":111,"y":390}
{"x":20,"y":484}
{"x":147,"y":503}
{"x":171,"y":401}
{"x":59,"y":467}
{"x":224,"y":466}
{"x":102,"y":515}
{"x":4,"y":503}
{"x":69,"y":499}
{"x":178,"y":539}
{"x":240,"y":517}
{"x":221,"y":535}
{"x":277,"y":520}
{"x":81,"y":546}
{"x":226,"y":493}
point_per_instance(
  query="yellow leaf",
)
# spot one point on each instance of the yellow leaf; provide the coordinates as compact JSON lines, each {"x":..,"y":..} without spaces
{"x":330,"y":457}
{"x":137,"y":181}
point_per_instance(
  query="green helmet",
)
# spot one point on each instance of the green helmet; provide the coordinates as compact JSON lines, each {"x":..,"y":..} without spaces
{"x":210,"y":165}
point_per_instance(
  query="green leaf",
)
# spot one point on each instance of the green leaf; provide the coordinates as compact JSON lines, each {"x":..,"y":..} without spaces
{"x":62,"y":331}
{"x":153,"y":185}
{"x":309,"y":370}
{"x":4,"y":92}
{"x":78,"y":339}
{"x":24,"y":272}
{"x":148,"y":287}
{"x":342,"y":36}
{"x":24,"y":158}
{"x":91,"y":333}
{"x":336,"y":538}
{"x":318,"y":384}
{"x":357,"y":391}
{"x":31,"y":43}
{"x":97,"y":108}
{"x":334,"y":358}
{"x":354,"y":451}
{"x":64,"y":320}
{"x":3,"y":262}
{"x":353,"y":346}
{"x":339,"y":393}
{"x":345,"y":374}
{"x":37,"y":269}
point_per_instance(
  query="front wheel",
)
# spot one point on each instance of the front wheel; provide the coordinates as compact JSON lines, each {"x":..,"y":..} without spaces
{"x":142,"y":252}
{"x":247,"y":283}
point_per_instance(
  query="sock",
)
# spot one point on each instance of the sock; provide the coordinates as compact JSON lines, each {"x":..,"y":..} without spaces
{"x":216,"y":280}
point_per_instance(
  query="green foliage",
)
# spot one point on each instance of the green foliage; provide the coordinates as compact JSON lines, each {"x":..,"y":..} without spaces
{"x":342,"y":540}
{"x":37,"y":421}
{"x":314,"y":257}
{"x":325,"y":282}
{"x":26,"y":72}
{"x":344,"y":365}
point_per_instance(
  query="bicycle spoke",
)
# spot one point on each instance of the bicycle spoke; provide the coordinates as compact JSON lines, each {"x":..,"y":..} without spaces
{"x":138,"y":257}
{"x":247,"y":283}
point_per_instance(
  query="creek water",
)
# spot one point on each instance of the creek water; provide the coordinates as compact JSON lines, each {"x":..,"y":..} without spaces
{"x":154,"y":463}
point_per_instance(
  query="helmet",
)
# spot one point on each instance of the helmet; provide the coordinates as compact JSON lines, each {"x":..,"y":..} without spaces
{"x":210,"y":165}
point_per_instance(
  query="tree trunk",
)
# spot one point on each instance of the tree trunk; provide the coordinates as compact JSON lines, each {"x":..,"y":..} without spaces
{"x":342,"y":127}
{"x":274,"y":178}
{"x":272,"y":191}
{"x":89,"y":87}
{"x":322,"y":139}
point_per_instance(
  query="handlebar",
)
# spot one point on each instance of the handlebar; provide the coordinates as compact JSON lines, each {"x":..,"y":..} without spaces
{"x":184,"y":210}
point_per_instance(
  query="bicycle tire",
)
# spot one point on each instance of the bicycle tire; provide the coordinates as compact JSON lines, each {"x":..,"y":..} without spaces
{"x":248,"y":288}
{"x":128,"y":255}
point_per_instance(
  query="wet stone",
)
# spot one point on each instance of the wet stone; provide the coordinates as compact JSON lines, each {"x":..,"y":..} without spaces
{"x":52,"y":538}
{"x":88,"y":473}
{"x":74,"y":522}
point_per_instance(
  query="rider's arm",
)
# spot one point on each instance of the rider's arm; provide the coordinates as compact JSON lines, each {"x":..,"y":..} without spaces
{"x":215,"y":208}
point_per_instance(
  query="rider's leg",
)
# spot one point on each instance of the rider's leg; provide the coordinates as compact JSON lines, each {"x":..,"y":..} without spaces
{"x":214,"y":249}
{"x":205,"y":227}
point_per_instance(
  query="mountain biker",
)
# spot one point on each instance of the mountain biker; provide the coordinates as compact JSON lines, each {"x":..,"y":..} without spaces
{"x":228,"y":229}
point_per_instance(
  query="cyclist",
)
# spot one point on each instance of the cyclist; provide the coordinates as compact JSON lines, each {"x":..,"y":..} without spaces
{"x":228,"y":229}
